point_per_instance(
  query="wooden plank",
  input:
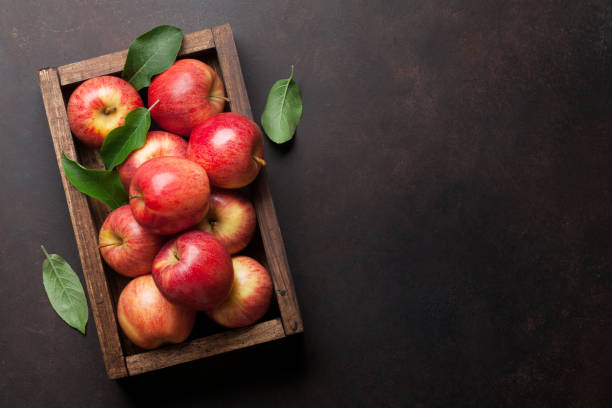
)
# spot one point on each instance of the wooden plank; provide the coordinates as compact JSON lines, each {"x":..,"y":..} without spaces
{"x":84,"y":230}
{"x":205,"y":347}
{"x":93,"y":67}
{"x":113,"y":63}
{"x":276,"y":255}
{"x":230,"y":67}
{"x":264,"y":206}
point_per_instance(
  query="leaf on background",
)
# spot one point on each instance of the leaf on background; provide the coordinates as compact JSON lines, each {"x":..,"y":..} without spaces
{"x":104,"y":185}
{"x":123,"y":140}
{"x":150,"y":54}
{"x":65,"y":291}
{"x":283,"y":110}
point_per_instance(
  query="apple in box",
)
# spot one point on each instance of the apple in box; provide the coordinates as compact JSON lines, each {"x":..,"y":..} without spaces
{"x":169,"y":194}
{"x":250,"y":297}
{"x":98,"y":106}
{"x":189,"y":92}
{"x":194,"y":270}
{"x":230,"y":148}
{"x":158,"y":144}
{"x":125,"y":245}
{"x":148,"y":319}
{"x":230,"y":218}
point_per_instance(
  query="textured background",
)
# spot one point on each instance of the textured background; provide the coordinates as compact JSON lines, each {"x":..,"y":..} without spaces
{"x":446,"y":204}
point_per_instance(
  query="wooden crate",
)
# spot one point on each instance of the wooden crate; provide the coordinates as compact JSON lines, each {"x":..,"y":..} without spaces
{"x":121,"y":357}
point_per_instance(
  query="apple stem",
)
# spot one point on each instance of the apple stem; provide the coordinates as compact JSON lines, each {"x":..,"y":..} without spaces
{"x":109,"y":109}
{"x":135,"y":196}
{"x":107,"y":245}
{"x":259,"y":160}
{"x":152,"y":106}
{"x":226,"y":99}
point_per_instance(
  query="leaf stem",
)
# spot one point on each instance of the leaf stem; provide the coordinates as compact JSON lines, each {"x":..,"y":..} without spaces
{"x":44,"y":251}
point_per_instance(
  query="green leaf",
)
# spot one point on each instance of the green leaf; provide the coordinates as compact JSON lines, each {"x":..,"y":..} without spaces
{"x":104,"y":185}
{"x":123,"y":140}
{"x":283,"y":110}
{"x":150,"y":54}
{"x":65,"y":291}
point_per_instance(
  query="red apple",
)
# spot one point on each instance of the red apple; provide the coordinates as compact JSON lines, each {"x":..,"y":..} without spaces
{"x":230,"y":218}
{"x":148,"y":319}
{"x":169,"y":194}
{"x":230,"y":148}
{"x":98,"y":106}
{"x":250,"y":297}
{"x":194,"y":270}
{"x":158,"y":144}
{"x":189,"y":92}
{"x":125,"y":245}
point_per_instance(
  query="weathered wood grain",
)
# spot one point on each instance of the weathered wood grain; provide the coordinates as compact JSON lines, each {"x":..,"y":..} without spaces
{"x":262,"y":197}
{"x":113,"y":63}
{"x":84,"y":230}
{"x":276,"y":255}
{"x":205,"y":347}
{"x":231,"y":71}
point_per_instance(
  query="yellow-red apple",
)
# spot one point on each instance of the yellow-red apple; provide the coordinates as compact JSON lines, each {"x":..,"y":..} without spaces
{"x":98,"y":106}
{"x":230,"y":218}
{"x":125,"y":245}
{"x":169,"y":194}
{"x":148,"y":319}
{"x":194,"y":270}
{"x":250,"y":297}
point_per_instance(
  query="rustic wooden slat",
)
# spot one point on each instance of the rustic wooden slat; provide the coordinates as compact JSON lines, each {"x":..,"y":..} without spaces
{"x":205,"y":347}
{"x":113,"y":63}
{"x":230,"y":68}
{"x":276,"y":255}
{"x":262,"y":200}
{"x":84,"y":230}
{"x":93,"y":67}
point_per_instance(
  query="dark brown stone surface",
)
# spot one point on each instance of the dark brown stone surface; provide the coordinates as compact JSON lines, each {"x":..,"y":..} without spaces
{"x":446,"y":204}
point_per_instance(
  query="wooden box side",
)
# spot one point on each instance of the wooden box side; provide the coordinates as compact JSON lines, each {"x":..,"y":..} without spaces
{"x":262,"y":197}
{"x":85,"y":234}
{"x":113,"y":63}
{"x":205,"y":347}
